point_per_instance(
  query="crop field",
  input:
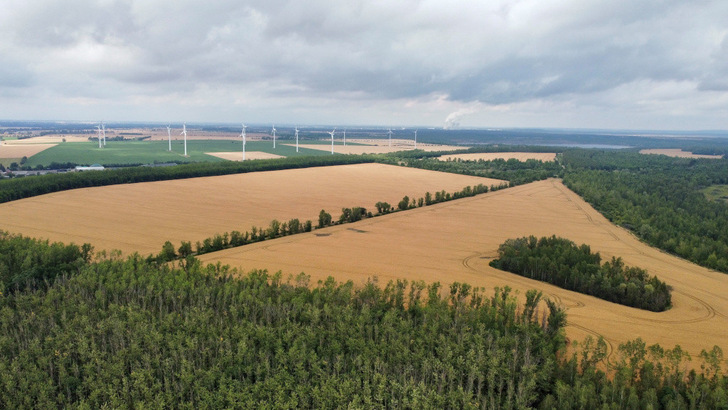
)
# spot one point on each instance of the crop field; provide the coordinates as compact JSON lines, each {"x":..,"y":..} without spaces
{"x":8,"y":151}
{"x":489,"y":156}
{"x":238,"y":156}
{"x":339,"y":148}
{"x":141,"y":217}
{"x":454,"y":241}
{"x":678,"y":153}
{"x":146,"y":152}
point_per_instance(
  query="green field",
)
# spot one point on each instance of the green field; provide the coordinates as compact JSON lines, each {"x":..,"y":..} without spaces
{"x":147,"y":152}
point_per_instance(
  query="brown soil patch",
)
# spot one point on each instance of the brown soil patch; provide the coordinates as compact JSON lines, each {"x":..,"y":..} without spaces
{"x":376,"y":146}
{"x":238,"y":156}
{"x":50,"y":139}
{"x":22,"y":150}
{"x":141,"y":217}
{"x":489,"y":156}
{"x":454,"y":241}
{"x":678,"y":153}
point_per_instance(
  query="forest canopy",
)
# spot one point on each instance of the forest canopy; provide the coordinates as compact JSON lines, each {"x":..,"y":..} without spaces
{"x":574,"y":267}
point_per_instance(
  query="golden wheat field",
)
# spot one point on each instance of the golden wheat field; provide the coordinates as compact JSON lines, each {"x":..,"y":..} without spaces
{"x":141,"y":217}
{"x":238,"y":156}
{"x":374,"y":146}
{"x":489,"y":156}
{"x":678,"y":153}
{"x":22,"y":150}
{"x":454,"y":241}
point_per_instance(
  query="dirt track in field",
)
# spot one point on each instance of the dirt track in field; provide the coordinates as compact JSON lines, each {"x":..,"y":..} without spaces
{"x":489,"y":156}
{"x":141,"y":217}
{"x":678,"y":153}
{"x":454,"y":241}
{"x":249,"y":155}
{"x":22,"y":150}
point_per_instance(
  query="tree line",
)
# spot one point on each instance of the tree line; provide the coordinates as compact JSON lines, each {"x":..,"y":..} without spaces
{"x":658,"y":198}
{"x":574,"y":267}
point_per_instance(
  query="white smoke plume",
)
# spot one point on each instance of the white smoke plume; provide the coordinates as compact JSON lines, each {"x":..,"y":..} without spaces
{"x":453,"y":120}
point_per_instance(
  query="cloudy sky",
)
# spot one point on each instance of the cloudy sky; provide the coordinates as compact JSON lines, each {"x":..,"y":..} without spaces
{"x":614,"y":64}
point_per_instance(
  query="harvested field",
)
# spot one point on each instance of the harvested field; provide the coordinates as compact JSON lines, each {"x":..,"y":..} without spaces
{"x":50,"y":139}
{"x":22,"y":150}
{"x":141,"y":217}
{"x":377,"y":146}
{"x":454,"y":241}
{"x":678,"y":153}
{"x":489,"y":156}
{"x":238,"y":156}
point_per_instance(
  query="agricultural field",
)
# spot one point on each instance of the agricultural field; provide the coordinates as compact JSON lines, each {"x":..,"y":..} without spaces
{"x":141,"y":217}
{"x":147,"y":152}
{"x":238,"y":156}
{"x":678,"y":153}
{"x":455,"y":241}
{"x":489,"y":156}
{"x":14,"y":152}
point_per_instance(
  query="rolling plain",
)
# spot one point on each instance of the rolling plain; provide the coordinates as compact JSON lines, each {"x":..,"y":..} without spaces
{"x":454,"y":241}
{"x":141,"y":217}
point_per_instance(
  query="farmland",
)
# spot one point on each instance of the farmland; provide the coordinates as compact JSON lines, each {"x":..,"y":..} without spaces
{"x":194,"y":209}
{"x":489,"y":156}
{"x":455,"y":241}
{"x":677,"y":153}
{"x":147,"y":152}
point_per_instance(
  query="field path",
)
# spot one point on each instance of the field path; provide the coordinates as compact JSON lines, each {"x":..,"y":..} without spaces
{"x":454,"y":241}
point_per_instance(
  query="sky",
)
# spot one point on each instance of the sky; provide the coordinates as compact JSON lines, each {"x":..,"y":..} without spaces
{"x":601,"y":64}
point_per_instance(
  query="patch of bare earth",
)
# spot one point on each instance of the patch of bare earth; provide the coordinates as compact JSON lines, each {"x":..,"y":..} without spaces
{"x":377,"y":146}
{"x":249,"y":155}
{"x":141,"y":217}
{"x":454,"y":241}
{"x":678,"y":153}
{"x":22,"y":150}
{"x":490,"y":156}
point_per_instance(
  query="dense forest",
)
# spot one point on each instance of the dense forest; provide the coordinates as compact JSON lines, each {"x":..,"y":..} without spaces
{"x":574,"y":267}
{"x":658,"y":198}
{"x":113,"y":332}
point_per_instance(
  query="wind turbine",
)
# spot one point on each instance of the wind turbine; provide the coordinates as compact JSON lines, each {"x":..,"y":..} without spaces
{"x":274,"y":136}
{"x":390,"y":136}
{"x":415,"y":139}
{"x":103,"y":131}
{"x":242,"y":134}
{"x":169,"y":137}
{"x":344,"y":136}
{"x":332,"y":139}
{"x":296,"y":138}
{"x":184,"y":132}
{"x":99,"y":128}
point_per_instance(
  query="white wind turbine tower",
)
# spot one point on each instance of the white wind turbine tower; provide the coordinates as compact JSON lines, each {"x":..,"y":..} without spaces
{"x":297,"y":138}
{"x":99,"y":128}
{"x":169,"y":137}
{"x":274,"y":136}
{"x":344,"y":136}
{"x":390,"y":136}
{"x":242,"y":134}
{"x":415,"y":139}
{"x":332,"y":140}
{"x":184,"y":132}
{"x":103,"y":132}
